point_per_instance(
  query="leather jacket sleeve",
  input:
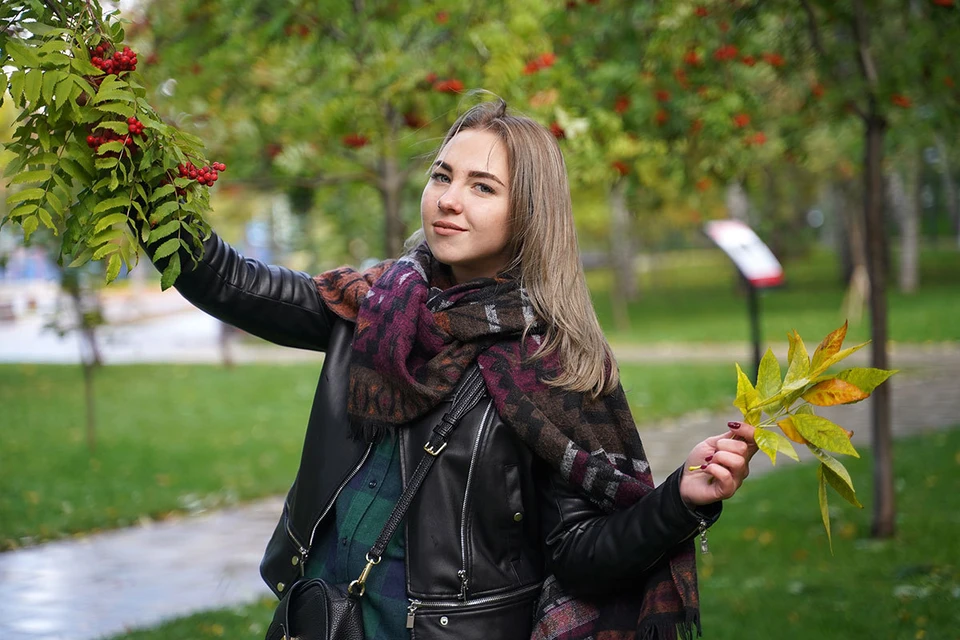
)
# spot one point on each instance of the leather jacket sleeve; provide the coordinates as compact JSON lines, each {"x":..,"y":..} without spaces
{"x":274,"y":303}
{"x":592,"y":552}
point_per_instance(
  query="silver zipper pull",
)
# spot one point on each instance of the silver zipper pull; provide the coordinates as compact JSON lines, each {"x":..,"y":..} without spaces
{"x":412,"y":612}
{"x":463,"y":584}
{"x":704,"y":547}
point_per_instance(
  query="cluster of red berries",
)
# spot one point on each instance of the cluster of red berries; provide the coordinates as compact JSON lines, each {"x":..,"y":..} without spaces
{"x":543,"y":61}
{"x":355,"y":140}
{"x":120,"y":61}
{"x":95,"y":140}
{"x":135,"y":127}
{"x":205,"y":175}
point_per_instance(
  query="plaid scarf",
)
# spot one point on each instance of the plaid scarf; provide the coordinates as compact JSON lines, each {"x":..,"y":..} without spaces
{"x":416,"y":333}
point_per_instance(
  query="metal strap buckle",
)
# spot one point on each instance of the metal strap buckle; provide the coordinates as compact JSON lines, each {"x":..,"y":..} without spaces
{"x":359,"y":586}
{"x":434,"y":452}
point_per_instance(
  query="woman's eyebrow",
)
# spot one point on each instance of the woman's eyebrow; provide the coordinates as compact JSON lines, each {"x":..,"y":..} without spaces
{"x":471,"y":174}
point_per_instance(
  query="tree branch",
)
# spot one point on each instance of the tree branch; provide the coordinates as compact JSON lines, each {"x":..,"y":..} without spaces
{"x":863,"y":45}
{"x":814,"y":29}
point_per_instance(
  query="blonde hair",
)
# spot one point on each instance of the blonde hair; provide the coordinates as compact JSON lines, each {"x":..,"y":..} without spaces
{"x":546,"y":252}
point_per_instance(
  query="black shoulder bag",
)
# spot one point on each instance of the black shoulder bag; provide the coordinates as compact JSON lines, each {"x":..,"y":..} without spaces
{"x":314,"y":609}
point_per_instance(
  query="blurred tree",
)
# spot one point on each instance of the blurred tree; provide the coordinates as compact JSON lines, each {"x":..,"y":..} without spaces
{"x":305,"y":96}
{"x":884,"y":58}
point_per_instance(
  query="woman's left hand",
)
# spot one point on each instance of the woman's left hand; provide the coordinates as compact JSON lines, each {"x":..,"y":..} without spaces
{"x":724,"y":463}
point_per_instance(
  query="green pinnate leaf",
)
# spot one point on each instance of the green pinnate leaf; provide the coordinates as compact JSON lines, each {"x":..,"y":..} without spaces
{"x":37,"y":175}
{"x":82,"y":258}
{"x":113,"y":267}
{"x":162,"y":192}
{"x":27,"y":195}
{"x":164,"y":230}
{"x":113,"y":95}
{"x":29,"y":224}
{"x":171,"y":273}
{"x":21,"y":55}
{"x":167,"y":248}
{"x":164,"y":210}
{"x":115,"y":202}
{"x":108,"y":221}
{"x":823,"y":433}
{"x":32,"y":85}
{"x":17,"y":80}
{"x":47,"y":221}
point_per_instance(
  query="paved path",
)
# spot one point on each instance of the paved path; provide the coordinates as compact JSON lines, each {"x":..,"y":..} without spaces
{"x":103,"y":584}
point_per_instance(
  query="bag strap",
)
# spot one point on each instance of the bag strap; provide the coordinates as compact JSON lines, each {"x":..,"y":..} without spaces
{"x":467,"y":395}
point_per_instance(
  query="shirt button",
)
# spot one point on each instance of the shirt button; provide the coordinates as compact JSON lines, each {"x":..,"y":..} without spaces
{"x":344,"y":541}
{"x":517,"y":517}
{"x":372,"y":484}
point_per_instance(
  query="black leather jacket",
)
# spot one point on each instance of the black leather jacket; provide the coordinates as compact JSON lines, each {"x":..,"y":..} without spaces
{"x":490,"y":521}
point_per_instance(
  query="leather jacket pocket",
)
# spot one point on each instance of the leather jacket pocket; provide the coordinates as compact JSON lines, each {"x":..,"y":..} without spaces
{"x":505,"y":617}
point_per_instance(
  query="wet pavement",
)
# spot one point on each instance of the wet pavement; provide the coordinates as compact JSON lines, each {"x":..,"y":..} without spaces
{"x":104,"y":584}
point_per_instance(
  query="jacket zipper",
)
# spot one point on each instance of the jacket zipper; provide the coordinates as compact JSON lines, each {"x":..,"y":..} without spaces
{"x":305,"y":552}
{"x":462,"y":573}
{"x":416,"y":605}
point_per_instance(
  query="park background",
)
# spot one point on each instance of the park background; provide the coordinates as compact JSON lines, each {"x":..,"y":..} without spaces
{"x":825,"y":126}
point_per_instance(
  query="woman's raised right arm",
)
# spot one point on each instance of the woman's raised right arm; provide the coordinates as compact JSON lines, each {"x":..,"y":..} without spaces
{"x":274,"y":303}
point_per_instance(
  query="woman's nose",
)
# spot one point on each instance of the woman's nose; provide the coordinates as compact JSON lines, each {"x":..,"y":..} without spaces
{"x":450,"y":202}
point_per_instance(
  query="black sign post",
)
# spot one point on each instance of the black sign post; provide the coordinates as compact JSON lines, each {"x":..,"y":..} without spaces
{"x":755,"y":262}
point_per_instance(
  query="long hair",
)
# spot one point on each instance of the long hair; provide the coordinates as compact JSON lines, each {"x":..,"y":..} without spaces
{"x":546,"y":253}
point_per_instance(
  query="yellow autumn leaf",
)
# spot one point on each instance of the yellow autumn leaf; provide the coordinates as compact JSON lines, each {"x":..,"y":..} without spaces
{"x":835,"y":358}
{"x":824,"y":507}
{"x":771,"y":442}
{"x":798,"y":362}
{"x":786,"y":425}
{"x":768,"y":377}
{"x":824,"y":434}
{"x":837,"y":475}
{"x":833,"y":391}
{"x":747,"y":398}
{"x":829,"y":346}
{"x":865,"y":378}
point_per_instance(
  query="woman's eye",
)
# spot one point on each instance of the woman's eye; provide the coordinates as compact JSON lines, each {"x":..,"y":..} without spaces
{"x":440,"y":177}
{"x":483,"y":188}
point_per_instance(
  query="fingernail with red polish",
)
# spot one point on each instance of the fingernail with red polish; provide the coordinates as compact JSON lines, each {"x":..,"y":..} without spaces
{"x":708,"y":459}
{"x":734,"y":425}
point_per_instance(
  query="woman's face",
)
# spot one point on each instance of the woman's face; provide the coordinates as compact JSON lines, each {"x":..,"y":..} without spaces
{"x":465,"y":206}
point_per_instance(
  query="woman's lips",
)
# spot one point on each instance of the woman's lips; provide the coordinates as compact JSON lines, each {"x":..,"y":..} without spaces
{"x":446,"y":229}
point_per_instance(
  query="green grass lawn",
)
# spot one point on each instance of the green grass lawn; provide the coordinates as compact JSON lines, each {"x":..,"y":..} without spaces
{"x":770,"y":573}
{"x":169,"y":438}
{"x":694,"y":296}
{"x":179,"y":438}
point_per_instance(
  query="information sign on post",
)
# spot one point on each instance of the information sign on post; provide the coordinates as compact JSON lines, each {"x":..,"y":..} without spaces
{"x":755,"y":262}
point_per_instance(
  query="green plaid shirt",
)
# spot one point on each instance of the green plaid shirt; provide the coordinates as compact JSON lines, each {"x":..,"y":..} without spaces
{"x":362,"y":508}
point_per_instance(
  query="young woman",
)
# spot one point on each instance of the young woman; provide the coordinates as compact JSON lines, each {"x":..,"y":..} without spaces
{"x":540,"y":518}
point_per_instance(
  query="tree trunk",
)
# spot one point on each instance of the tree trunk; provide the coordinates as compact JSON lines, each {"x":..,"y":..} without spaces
{"x":949,"y":186}
{"x":390,"y":193}
{"x":88,"y":393}
{"x":884,"y":507}
{"x":738,"y":205}
{"x":621,"y":254}
{"x":902,"y":193}
{"x":858,"y":279}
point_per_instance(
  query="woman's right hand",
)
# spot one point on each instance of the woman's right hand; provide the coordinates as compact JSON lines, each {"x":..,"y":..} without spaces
{"x":717,"y":466}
